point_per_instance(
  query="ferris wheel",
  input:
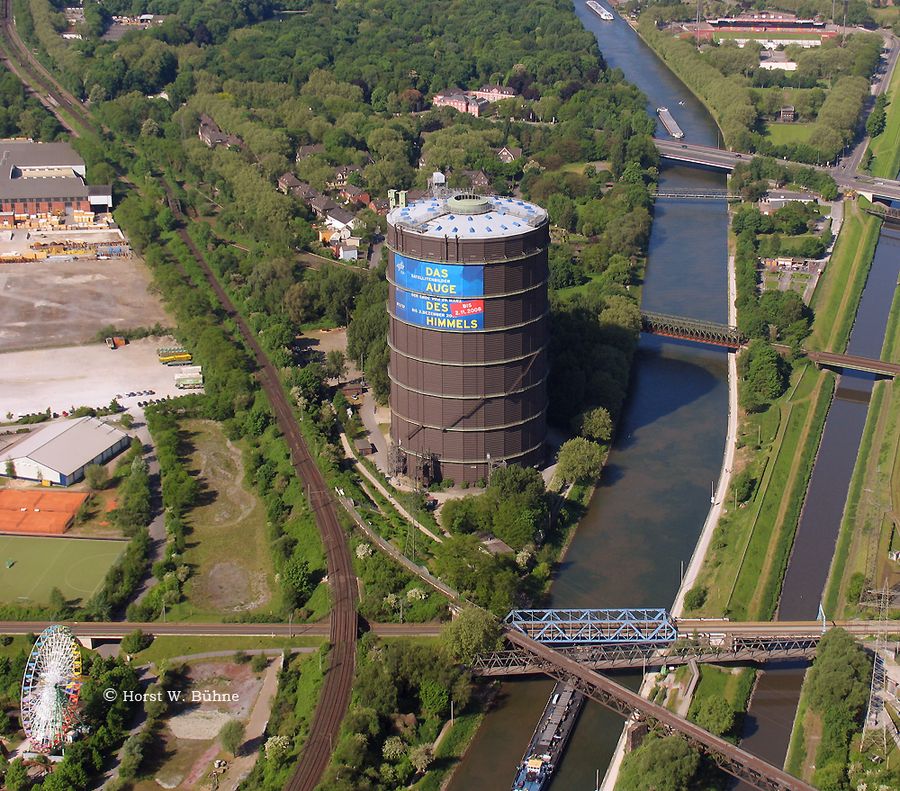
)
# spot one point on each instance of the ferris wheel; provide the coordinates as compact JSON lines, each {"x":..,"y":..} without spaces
{"x":50,"y":688}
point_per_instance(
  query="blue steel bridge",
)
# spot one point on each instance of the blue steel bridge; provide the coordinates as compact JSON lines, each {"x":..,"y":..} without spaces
{"x":621,"y":638}
{"x":580,"y":627}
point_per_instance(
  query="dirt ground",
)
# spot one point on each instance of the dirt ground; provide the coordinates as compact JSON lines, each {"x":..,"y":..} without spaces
{"x":60,"y":303}
{"x":82,"y":376}
{"x":324,"y":341}
{"x":190,"y":736}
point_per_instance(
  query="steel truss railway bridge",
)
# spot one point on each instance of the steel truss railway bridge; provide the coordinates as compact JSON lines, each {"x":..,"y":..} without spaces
{"x":555,"y":643}
{"x":732,"y":338}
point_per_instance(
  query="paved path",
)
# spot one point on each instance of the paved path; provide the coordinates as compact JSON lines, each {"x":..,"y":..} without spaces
{"x":370,"y":421}
{"x":157,"y":526}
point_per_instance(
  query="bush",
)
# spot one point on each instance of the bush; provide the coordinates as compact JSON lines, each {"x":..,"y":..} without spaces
{"x":695,"y":598}
{"x":136,"y":642}
{"x":259,"y":663}
{"x":96,"y":477}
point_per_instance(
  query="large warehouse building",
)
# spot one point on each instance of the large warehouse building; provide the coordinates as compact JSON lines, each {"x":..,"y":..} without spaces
{"x":468,"y":335}
{"x":58,"y":453}
{"x":42,"y":182}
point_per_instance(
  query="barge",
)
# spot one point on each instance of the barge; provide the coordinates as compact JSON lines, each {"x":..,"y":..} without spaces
{"x":600,"y":11}
{"x":549,"y":740}
{"x":669,"y":122}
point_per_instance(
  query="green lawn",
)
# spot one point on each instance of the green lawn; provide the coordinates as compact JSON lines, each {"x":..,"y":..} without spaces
{"x":838,"y":294}
{"x":166,"y":647}
{"x":76,"y":566}
{"x":886,"y":147}
{"x":786,"y":134}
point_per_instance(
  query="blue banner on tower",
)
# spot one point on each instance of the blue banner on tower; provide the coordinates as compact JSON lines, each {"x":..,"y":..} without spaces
{"x":434,"y":313}
{"x":446,"y":280}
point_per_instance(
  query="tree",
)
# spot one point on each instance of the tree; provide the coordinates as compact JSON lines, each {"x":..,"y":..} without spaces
{"x":421,"y":757}
{"x":661,"y":764}
{"x":595,"y":424}
{"x":232,"y":736}
{"x":126,"y":420}
{"x":136,"y":641}
{"x":10,"y":468}
{"x":579,"y":459}
{"x":434,"y":698}
{"x":277,"y":748}
{"x":695,"y":598}
{"x":335,"y":364}
{"x":16,"y":778}
{"x":394,"y":748}
{"x":310,"y":381}
{"x":298,"y":576}
{"x":715,"y":714}
{"x":96,"y":476}
{"x":474,"y":631}
{"x":766,"y":376}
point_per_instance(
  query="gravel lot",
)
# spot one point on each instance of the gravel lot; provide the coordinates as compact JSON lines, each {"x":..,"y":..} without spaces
{"x":58,"y":303}
{"x":89,"y":375}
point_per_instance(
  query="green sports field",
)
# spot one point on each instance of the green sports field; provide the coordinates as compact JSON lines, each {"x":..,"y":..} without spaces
{"x":76,"y":566}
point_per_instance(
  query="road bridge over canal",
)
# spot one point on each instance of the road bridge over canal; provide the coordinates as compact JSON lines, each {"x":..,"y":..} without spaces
{"x":710,"y":156}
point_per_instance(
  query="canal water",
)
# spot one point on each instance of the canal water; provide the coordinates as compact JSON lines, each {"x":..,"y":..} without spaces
{"x":647,"y":513}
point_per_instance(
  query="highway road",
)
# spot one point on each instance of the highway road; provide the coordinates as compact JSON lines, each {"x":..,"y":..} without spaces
{"x":711,"y":156}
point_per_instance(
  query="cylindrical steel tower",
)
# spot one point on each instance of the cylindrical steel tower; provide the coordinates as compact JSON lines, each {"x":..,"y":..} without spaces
{"x":468,"y":335}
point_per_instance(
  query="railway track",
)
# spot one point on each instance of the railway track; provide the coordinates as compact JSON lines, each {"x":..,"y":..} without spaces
{"x":35,"y":76}
{"x":335,"y":696}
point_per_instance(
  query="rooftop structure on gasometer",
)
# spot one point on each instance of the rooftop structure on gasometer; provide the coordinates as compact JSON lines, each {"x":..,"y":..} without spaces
{"x":468,"y":335}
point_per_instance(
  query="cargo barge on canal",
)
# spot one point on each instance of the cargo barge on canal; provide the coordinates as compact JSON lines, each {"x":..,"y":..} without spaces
{"x":669,"y":122}
{"x":550,"y":739}
{"x":600,"y":11}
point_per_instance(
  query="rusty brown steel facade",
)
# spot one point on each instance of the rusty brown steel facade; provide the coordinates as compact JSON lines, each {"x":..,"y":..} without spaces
{"x":464,"y":400}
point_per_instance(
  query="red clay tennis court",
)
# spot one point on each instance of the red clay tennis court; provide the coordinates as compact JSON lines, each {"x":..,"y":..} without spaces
{"x":38,"y":513}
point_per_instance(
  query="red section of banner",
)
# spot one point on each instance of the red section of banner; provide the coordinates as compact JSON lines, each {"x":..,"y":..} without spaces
{"x":468,"y":308}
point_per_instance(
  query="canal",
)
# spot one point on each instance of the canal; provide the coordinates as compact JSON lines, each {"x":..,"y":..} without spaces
{"x":649,"y":508}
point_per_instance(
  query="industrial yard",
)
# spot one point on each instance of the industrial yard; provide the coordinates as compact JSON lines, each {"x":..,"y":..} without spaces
{"x":89,"y":375}
{"x":64,"y":302}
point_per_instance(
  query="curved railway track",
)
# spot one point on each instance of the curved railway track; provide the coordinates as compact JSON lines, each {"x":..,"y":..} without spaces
{"x":37,"y":78}
{"x":335,"y":696}
{"x":343,"y":624}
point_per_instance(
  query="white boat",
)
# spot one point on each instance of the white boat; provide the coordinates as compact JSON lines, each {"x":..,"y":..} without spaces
{"x":600,"y":11}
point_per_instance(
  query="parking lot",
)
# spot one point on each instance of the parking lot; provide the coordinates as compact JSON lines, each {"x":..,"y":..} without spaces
{"x":90,"y":375}
{"x":58,"y":303}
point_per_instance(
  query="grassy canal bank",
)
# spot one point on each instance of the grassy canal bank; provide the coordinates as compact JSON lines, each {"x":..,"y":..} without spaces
{"x":742,"y":574}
